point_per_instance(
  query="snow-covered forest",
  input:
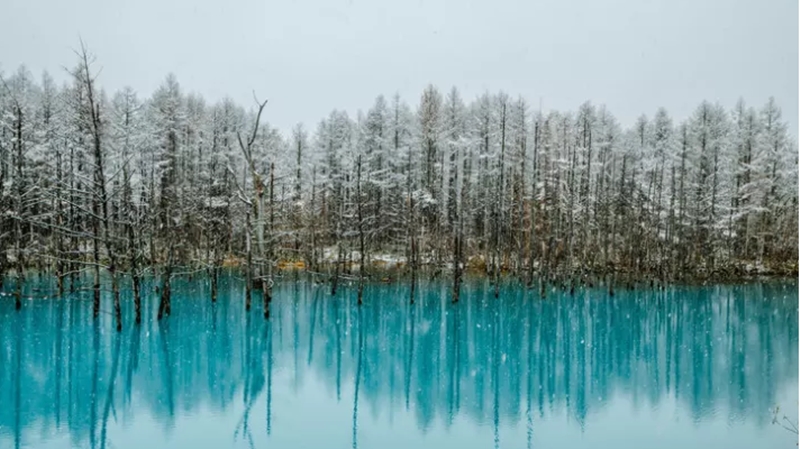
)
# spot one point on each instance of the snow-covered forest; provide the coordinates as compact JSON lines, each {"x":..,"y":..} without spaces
{"x":116,"y":184}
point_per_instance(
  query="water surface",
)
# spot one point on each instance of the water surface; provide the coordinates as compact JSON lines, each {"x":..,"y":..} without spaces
{"x":687,"y":367}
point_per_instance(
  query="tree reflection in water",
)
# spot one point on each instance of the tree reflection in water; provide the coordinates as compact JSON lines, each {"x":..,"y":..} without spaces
{"x":716,"y":351}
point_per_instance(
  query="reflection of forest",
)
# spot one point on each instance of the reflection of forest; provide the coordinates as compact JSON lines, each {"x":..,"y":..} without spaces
{"x":722,"y":351}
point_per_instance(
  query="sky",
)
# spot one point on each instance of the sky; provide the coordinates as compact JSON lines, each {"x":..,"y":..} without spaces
{"x":309,"y":57}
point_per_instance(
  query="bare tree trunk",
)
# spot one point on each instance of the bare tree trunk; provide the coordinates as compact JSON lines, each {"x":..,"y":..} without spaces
{"x":266,"y":286}
{"x":362,"y":266}
{"x":459,"y":187}
{"x":248,"y":273}
{"x":59,"y":233}
{"x":457,"y":262}
{"x":20,"y":269}
{"x":533,"y":205}
{"x":339,"y":249}
{"x":96,"y":265}
{"x":410,"y":229}
{"x":312,"y":220}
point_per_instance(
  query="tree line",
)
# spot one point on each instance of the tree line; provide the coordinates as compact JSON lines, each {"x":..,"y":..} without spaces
{"x":122,"y":187}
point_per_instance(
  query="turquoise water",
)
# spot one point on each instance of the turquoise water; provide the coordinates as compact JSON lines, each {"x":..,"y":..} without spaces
{"x":691,"y":368}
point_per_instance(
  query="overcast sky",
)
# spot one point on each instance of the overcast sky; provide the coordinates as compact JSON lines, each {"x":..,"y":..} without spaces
{"x":311,"y":56}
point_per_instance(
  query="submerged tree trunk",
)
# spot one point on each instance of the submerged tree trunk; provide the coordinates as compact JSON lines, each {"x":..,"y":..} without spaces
{"x":214,"y":273}
{"x":457,"y":266}
{"x":248,"y":269}
{"x":165,"y":306}
{"x":95,"y":269}
{"x":135,"y":276}
{"x":117,"y":307}
{"x":20,"y":281}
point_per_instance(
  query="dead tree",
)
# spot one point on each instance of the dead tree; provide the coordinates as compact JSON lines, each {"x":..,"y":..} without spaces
{"x":257,"y":204}
{"x":99,"y":194}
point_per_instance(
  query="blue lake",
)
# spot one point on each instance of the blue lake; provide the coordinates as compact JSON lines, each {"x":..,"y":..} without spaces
{"x":688,"y":367}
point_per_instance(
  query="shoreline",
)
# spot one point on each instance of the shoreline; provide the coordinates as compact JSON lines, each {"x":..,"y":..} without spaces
{"x":382,"y":274}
